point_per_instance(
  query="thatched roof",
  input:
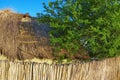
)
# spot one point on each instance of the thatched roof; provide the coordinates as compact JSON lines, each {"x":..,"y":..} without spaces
{"x":23,"y":39}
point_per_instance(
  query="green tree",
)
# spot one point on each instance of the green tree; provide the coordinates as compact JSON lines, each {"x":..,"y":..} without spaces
{"x":92,"y":24}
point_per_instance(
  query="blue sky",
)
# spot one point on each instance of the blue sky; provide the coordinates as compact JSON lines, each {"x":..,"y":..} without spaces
{"x":23,"y":6}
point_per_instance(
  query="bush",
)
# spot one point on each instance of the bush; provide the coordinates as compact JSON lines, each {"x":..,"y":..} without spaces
{"x":92,"y":24}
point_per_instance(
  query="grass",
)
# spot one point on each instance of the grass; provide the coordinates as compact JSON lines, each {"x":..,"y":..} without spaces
{"x":37,"y":60}
{"x":2,"y":57}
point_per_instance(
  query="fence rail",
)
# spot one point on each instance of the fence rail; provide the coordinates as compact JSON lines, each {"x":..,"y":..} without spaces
{"x":108,"y":69}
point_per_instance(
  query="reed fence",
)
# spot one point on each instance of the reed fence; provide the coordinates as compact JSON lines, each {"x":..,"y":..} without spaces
{"x":108,"y":69}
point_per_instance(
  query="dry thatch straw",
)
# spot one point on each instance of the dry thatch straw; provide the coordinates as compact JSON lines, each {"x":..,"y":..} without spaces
{"x":8,"y":33}
{"x":22,"y":40}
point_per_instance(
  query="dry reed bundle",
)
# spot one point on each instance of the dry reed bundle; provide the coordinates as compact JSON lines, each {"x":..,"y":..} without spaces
{"x":108,"y":69}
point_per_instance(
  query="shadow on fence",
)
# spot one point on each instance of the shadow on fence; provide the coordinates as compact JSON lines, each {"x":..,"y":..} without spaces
{"x":108,"y":69}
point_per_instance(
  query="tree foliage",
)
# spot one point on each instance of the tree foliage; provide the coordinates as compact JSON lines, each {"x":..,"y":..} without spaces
{"x":92,"y":24}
